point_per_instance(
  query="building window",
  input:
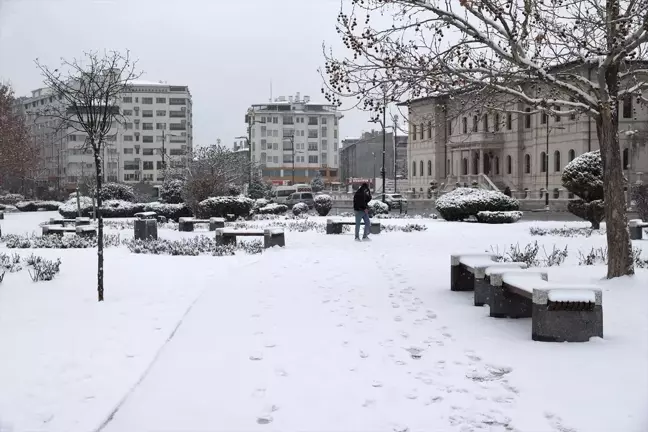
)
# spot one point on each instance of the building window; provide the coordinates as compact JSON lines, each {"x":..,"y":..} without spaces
{"x":464,"y":125}
{"x":312,"y":146}
{"x":421,"y":131}
{"x":429,"y":168}
{"x":312,"y":133}
{"x":449,"y":126}
{"x":475,"y":126}
{"x":421,"y":170}
{"x":177,"y":152}
{"x":527,"y":164}
{"x":127,"y":99}
{"x":464,"y":168}
{"x":572,"y":116}
{"x":128,"y":112}
{"x":128,"y":137}
{"x":147,"y":165}
{"x":627,"y":106}
{"x":323,"y":120}
{"x":509,"y":165}
{"x":414,"y":169}
{"x":543,"y":162}
{"x":324,"y":131}
{"x":543,"y":118}
{"x":429,"y":130}
{"x":147,"y":152}
{"x":128,"y":151}
{"x":571,"y":155}
{"x":485,"y":122}
{"x":147,"y":126}
{"x":497,"y":122}
{"x":147,"y":139}
{"x":147,"y":101}
{"x":147,"y":113}
{"x":160,"y":113}
{"x":160,"y":126}
{"x":496,"y":165}
{"x":509,"y":121}
{"x":626,"y":158}
{"x":557,"y":164}
{"x":414,"y":133}
{"x":313,"y":159}
{"x":557,"y":108}
{"x":527,"y":118}
{"x":160,"y":100}
{"x":312,"y":121}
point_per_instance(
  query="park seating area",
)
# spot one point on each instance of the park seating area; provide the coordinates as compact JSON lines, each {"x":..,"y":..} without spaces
{"x":271,"y":237}
{"x":335,"y":225}
{"x":636,"y":228}
{"x":80,"y":226}
{"x":187,"y":224}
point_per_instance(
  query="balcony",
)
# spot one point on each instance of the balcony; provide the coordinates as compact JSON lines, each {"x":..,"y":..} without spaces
{"x":177,"y":114}
{"x":484,"y":140}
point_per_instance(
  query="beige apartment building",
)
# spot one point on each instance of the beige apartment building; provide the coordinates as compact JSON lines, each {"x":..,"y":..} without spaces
{"x":500,"y":149}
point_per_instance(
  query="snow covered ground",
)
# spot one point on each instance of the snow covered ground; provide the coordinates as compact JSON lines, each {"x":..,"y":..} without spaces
{"x":323,"y":335}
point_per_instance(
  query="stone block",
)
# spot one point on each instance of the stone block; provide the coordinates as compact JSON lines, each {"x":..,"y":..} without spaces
{"x":145,"y":229}
{"x":215,"y":223}
{"x":273,"y":237}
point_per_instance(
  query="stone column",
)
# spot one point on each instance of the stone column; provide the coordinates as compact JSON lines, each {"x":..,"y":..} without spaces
{"x":481,"y":161}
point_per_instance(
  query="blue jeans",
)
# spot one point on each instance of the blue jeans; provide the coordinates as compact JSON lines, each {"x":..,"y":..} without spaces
{"x":359,"y":216}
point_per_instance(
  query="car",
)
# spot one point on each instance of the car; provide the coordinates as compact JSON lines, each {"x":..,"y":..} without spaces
{"x":394,"y":201}
{"x":305,"y":197}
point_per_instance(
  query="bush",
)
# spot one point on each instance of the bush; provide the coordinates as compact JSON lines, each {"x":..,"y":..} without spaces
{"x":584,"y":178}
{"x":323,"y":204}
{"x":8,"y":208}
{"x":499,"y":217}
{"x":44,"y":270}
{"x":14,"y":241}
{"x":69,"y":208}
{"x":260,"y":202}
{"x":32,"y":206}
{"x":117,"y":191}
{"x":463,"y":203}
{"x":171,"y":191}
{"x":300,"y":208}
{"x":564,"y":231}
{"x":273,"y":209}
{"x":593,"y":211}
{"x":639,"y":193}
{"x":192,"y":246}
{"x":257,"y":189}
{"x":120,"y":209}
{"x":377,"y":207}
{"x":169,"y":211}
{"x":229,"y":207}
{"x":11,"y":199}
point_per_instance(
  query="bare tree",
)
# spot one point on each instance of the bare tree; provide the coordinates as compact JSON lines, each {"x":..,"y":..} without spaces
{"x":560,"y":57}
{"x":18,"y":155}
{"x":89,"y":92}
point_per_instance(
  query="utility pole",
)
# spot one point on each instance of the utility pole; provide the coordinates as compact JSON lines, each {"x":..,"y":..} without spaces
{"x":547,"y":168}
{"x":163,"y":149}
{"x":395,"y":146}
{"x":384,"y":125}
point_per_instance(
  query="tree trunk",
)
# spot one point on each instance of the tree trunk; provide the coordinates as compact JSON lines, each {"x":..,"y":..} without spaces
{"x":620,"y":262}
{"x":100,"y":238}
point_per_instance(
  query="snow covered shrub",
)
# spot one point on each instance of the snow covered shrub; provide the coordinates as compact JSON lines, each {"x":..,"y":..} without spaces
{"x":229,"y":207}
{"x":257,"y":189}
{"x":14,"y":241}
{"x":273,"y":209}
{"x":8,"y":208}
{"x":44,"y":270}
{"x":323,"y":204}
{"x":555,"y":258}
{"x":252,"y":247}
{"x":638,"y":261}
{"x":406,"y":228}
{"x":593,"y":257}
{"x":120,"y":209}
{"x":499,"y":217}
{"x":529,"y":255}
{"x":32,"y":206}
{"x":11,"y":199}
{"x":171,"y":191}
{"x":192,"y":246}
{"x":639,"y":194}
{"x":462,"y":203}
{"x":117,"y":191}
{"x":300,"y":208}
{"x":260,"y":202}
{"x":169,"y":211}
{"x":10,"y":263}
{"x":377,"y":207}
{"x":317,"y":184}
{"x":564,"y":232}
{"x":69,"y":208}
{"x":584,"y":178}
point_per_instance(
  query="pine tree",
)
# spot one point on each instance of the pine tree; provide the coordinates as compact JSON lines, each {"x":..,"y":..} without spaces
{"x":317,"y":183}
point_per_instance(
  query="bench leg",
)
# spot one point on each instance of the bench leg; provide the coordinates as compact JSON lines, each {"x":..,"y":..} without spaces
{"x":214,"y":225}
{"x":636,"y":233}
{"x":225,"y":240}
{"x":482,"y":291}
{"x":558,"y":325}
{"x":461,"y":279}
{"x":504,"y":304}
{"x":185,"y":227}
{"x":145,"y":229}
{"x":274,"y":240}
{"x":334,"y":228}
{"x":375,"y":228}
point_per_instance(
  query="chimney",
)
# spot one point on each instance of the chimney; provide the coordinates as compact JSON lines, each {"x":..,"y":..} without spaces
{"x":297,"y":98}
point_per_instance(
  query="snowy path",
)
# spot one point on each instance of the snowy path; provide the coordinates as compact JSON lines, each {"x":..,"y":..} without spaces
{"x":324,"y":349}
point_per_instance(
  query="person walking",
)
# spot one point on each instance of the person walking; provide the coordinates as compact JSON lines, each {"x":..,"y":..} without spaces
{"x":360,"y":207}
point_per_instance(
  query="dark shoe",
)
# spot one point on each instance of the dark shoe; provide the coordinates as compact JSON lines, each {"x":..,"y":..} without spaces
{"x":357,"y":239}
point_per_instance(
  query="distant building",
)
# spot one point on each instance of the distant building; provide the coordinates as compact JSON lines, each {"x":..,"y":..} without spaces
{"x":314,"y":130}
{"x":361,"y":158}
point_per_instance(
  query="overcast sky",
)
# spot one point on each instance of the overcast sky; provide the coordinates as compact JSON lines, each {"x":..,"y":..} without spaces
{"x":226,"y":51}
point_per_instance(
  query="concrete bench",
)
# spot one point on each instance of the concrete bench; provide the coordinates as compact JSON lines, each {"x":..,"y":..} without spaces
{"x":636,"y":227}
{"x":60,"y":230}
{"x":334,"y":226}
{"x":85,"y":231}
{"x":186,"y":224}
{"x":462,"y":277}
{"x":146,"y":215}
{"x":145,"y":228}
{"x":560,"y":312}
{"x":481,"y":274}
{"x":1,"y":215}
{"x":271,"y":237}
{"x":76,"y":221}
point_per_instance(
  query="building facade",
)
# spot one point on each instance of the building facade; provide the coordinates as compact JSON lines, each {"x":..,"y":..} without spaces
{"x":511,"y":149}
{"x":154,"y":130}
{"x":361,"y":158}
{"x":293,"y":140}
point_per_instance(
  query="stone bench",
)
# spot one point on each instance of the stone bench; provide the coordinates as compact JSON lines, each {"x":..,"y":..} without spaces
{"x":560,"y":312}
{"x":482,"y":274}
{"x":1,"y":215}
{"x":271,"y":237}
{"x":636,"y":227}
{"x":334,"y":226}
{"x":60,"y":230}
{"x":145,"y":228}
{"x":462,"y":277}
{"x":77,"y":221}
{"x":146,"y":215}
{"x":186,"y":224}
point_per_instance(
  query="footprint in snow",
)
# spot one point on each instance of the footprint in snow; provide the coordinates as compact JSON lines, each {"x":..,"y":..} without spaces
{"x":369,"y":403}
{"x":256,"y":356}
{"x":264,"y":419}
{"x":376,"y":384}
{"x":363,"y":354}
{"x":398,"y":318}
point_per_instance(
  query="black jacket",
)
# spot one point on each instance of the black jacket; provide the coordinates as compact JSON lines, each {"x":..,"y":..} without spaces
{"x":361,"y":199}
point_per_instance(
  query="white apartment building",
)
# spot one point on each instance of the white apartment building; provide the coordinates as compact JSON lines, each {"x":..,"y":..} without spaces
{"x":155,"y":128}
{"x":510,"y":149}
{"x":314,"y":130}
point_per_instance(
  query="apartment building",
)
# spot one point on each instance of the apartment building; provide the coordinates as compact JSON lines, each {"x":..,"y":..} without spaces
{"x":154,"y":130}
{"x":293,"y":139}
{"x":449,"y":143}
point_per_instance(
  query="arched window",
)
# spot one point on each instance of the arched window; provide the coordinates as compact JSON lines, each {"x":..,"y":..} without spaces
{"x":414,"y":169}
{"x":509,"y":165}
{"x":429,"y":168}
{"x":543,"y":162}
{"x":413,"y":132}
{"x":421,"y":132}
{"x":626,"y":158}
{"x":571,"y":155}
{"x":422,"y":173}
{"x":429,"y":130}
{"x":496,"y":165}
{"x":464,"y":168}
{"x":557,"y":165}
{"x":527,"y":164}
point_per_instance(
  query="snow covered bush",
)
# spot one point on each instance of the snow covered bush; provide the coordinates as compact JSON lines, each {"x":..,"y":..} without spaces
{"x":300,"y":208}
{"x":11,"y":199}
{"x":120,"y":209}
{"x":43,"y":269}
{"x":499,"y":217}
{"x":69,"y":208}
{"x":584,"y":178}
{"x":323,"y":204}
{"x":171,"y":191}
{"x":8,"y":208}
{"x":229,"y":207}
{"x":192,"y":246}
{"x":317,"y":184}
{"x":260,"y":202}
{"x":258,"y":188}
{"x":463,"y":203}
{"x":169,"y":211}
{"x":564,"y":231}
{"x":32,"y":206}
{"x":14,"y":241}
{"x":273,"y":209}
{"x":377,"y":207}
{"x":117,"y":191}
{"x":639,"y":193}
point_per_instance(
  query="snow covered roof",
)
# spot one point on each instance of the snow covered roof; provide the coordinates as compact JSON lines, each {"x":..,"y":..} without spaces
{"x":139,"y":82}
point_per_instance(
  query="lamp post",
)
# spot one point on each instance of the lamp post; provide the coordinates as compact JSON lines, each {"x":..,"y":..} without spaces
{"x":374,"y":170}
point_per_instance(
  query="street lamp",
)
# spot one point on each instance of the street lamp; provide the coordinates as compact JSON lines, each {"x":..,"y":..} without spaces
{"x":292,"y":148}
{"x":549,"y":129}
{"x":374,"y":171}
